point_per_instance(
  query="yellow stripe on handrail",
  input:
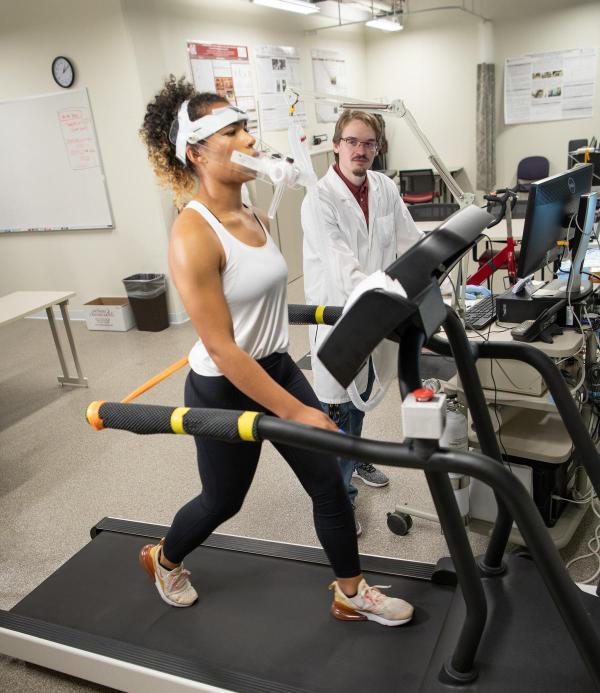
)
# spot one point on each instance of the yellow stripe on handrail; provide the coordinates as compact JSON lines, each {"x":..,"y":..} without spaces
{"x":246,"y":425}
{"x":177,"y":419}
{"x":319,"y":313}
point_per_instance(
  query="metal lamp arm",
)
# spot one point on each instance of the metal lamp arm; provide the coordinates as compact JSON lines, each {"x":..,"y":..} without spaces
{"x":398,"y":109}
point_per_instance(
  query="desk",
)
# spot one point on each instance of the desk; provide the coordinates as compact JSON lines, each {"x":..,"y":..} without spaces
{"x":531,"y":429}
{"x":22,"y":303}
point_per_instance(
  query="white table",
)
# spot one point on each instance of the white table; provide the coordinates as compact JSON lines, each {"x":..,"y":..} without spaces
{"x":496,"y":233}
{"x":22,"y":303}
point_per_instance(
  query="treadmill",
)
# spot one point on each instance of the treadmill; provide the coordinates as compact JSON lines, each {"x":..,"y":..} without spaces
{"x":491,"y":624}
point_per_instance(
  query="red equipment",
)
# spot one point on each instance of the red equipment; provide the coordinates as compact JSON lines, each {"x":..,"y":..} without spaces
{"x":504,"y":258}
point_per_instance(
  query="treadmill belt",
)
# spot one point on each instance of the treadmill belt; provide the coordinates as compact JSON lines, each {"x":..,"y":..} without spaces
{"x":257,"y":615}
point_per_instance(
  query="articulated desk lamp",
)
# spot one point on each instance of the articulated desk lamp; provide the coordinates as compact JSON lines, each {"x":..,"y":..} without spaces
{"x":297,"y":171}
{"x":395,"y":109}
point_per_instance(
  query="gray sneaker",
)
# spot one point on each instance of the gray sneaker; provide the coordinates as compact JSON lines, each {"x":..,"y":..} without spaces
{"x":369,"y":475}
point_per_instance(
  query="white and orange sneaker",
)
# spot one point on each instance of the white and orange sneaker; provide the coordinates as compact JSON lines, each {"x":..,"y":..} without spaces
{"x":370,"y":604}
{"x":173,"y":586}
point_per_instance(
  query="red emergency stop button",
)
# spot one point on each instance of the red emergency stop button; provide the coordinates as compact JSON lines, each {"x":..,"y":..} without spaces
{"x":423,"y":394}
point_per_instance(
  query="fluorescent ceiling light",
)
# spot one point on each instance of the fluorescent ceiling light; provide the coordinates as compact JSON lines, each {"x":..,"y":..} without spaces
{"x":385,"y":24}
{"x":299,"y":6}
{"x":348,"y":12}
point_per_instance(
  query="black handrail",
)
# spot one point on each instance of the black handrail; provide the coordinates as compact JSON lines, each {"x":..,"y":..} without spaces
{"x":465,"y":354}
{"x":461,"y":665}
{"x":543,"y":364}
{"x":234,"y":426}
{"x":527,"y":353}
{"x":563,"y":591}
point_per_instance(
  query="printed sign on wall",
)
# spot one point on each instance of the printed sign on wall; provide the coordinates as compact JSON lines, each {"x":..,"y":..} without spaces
{"x":550,"y":86}
{"x":225,"y":70}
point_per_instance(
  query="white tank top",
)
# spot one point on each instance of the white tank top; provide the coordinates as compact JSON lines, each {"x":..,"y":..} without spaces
{"x":255,"y":286}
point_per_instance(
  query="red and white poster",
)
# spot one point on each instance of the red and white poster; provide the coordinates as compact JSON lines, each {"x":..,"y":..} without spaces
{"x":226,"y":70}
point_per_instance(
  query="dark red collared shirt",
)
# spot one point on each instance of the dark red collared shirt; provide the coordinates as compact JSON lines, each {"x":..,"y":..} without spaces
{"x":360,"y":192}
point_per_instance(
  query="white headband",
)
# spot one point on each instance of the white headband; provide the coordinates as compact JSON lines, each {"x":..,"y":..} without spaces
{"x":192,"y":132}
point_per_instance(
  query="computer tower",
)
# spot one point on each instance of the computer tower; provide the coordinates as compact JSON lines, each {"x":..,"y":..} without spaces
{"x":548,"y":480}
{"x":531,"y":302}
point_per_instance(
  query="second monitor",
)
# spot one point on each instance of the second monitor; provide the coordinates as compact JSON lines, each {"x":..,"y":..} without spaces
{"x":553,"y":209}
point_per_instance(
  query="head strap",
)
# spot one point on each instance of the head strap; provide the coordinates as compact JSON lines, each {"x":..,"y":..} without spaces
{"x":192,"y":132}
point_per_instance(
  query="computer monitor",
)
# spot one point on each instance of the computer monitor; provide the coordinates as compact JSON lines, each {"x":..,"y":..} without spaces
{"x":551,"y":207}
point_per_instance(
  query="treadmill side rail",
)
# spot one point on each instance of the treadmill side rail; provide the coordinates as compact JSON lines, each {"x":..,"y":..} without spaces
{"x":91,"y":666}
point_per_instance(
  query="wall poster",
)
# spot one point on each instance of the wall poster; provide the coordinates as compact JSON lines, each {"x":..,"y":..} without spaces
{"x":226,"y":70}
{"x":277,"y":68}
{"x":550,"y":86}
{"x":329,"y":72}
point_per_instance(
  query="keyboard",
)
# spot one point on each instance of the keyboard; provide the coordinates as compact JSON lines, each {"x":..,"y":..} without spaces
{"x":481,"y":314}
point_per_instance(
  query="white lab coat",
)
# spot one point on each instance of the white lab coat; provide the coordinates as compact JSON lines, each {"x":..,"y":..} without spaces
{"x":340,"y":251}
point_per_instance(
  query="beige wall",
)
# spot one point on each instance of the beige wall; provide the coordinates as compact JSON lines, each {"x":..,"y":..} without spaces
{"x":122,"y":51}
{"x":575,"y":27}
{"x":92,"y":263}
{"x":431,"y":67}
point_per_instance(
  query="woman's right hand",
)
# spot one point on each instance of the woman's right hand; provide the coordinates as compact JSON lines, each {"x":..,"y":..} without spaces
{"x":309,"y":416}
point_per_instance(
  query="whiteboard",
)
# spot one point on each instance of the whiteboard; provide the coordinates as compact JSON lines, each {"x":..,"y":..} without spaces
{"x":51,"y":176}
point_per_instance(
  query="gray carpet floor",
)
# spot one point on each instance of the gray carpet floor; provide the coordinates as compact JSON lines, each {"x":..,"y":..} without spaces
{"x":58,"y":477}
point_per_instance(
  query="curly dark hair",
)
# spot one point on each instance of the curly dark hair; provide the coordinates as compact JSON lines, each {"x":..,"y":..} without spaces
{"x":161,"y":113}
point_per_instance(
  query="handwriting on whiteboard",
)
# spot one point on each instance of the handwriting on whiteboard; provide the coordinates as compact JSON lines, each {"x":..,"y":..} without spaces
{"x":78,"y":135}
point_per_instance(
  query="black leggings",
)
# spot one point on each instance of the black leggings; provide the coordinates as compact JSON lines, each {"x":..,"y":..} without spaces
{"x":227,"y":470}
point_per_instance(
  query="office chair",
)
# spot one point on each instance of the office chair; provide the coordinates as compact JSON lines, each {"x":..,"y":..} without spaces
{"x":529,"y":170}
{"x":573,"y":145}
{"x":380,"y":162}
{"x":417,"y":186}
{"x":380,"y":165}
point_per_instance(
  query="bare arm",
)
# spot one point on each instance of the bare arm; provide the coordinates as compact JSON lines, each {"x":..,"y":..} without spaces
{"x":195,"y":261}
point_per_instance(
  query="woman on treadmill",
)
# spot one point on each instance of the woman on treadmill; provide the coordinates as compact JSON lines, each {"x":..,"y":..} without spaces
{"x":232,"y":280}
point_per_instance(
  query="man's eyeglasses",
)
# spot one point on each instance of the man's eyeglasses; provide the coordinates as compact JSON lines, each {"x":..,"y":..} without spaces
{"x":353,"y":143}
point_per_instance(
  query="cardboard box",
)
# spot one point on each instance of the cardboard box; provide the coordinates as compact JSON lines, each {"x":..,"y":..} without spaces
{"x":112,"y":314}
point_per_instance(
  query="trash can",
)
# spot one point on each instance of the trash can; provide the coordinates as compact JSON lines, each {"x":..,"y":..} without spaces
{"x":147,"y":294}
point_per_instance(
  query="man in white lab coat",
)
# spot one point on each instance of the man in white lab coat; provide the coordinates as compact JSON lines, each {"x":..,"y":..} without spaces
{"x":364,"y":226}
